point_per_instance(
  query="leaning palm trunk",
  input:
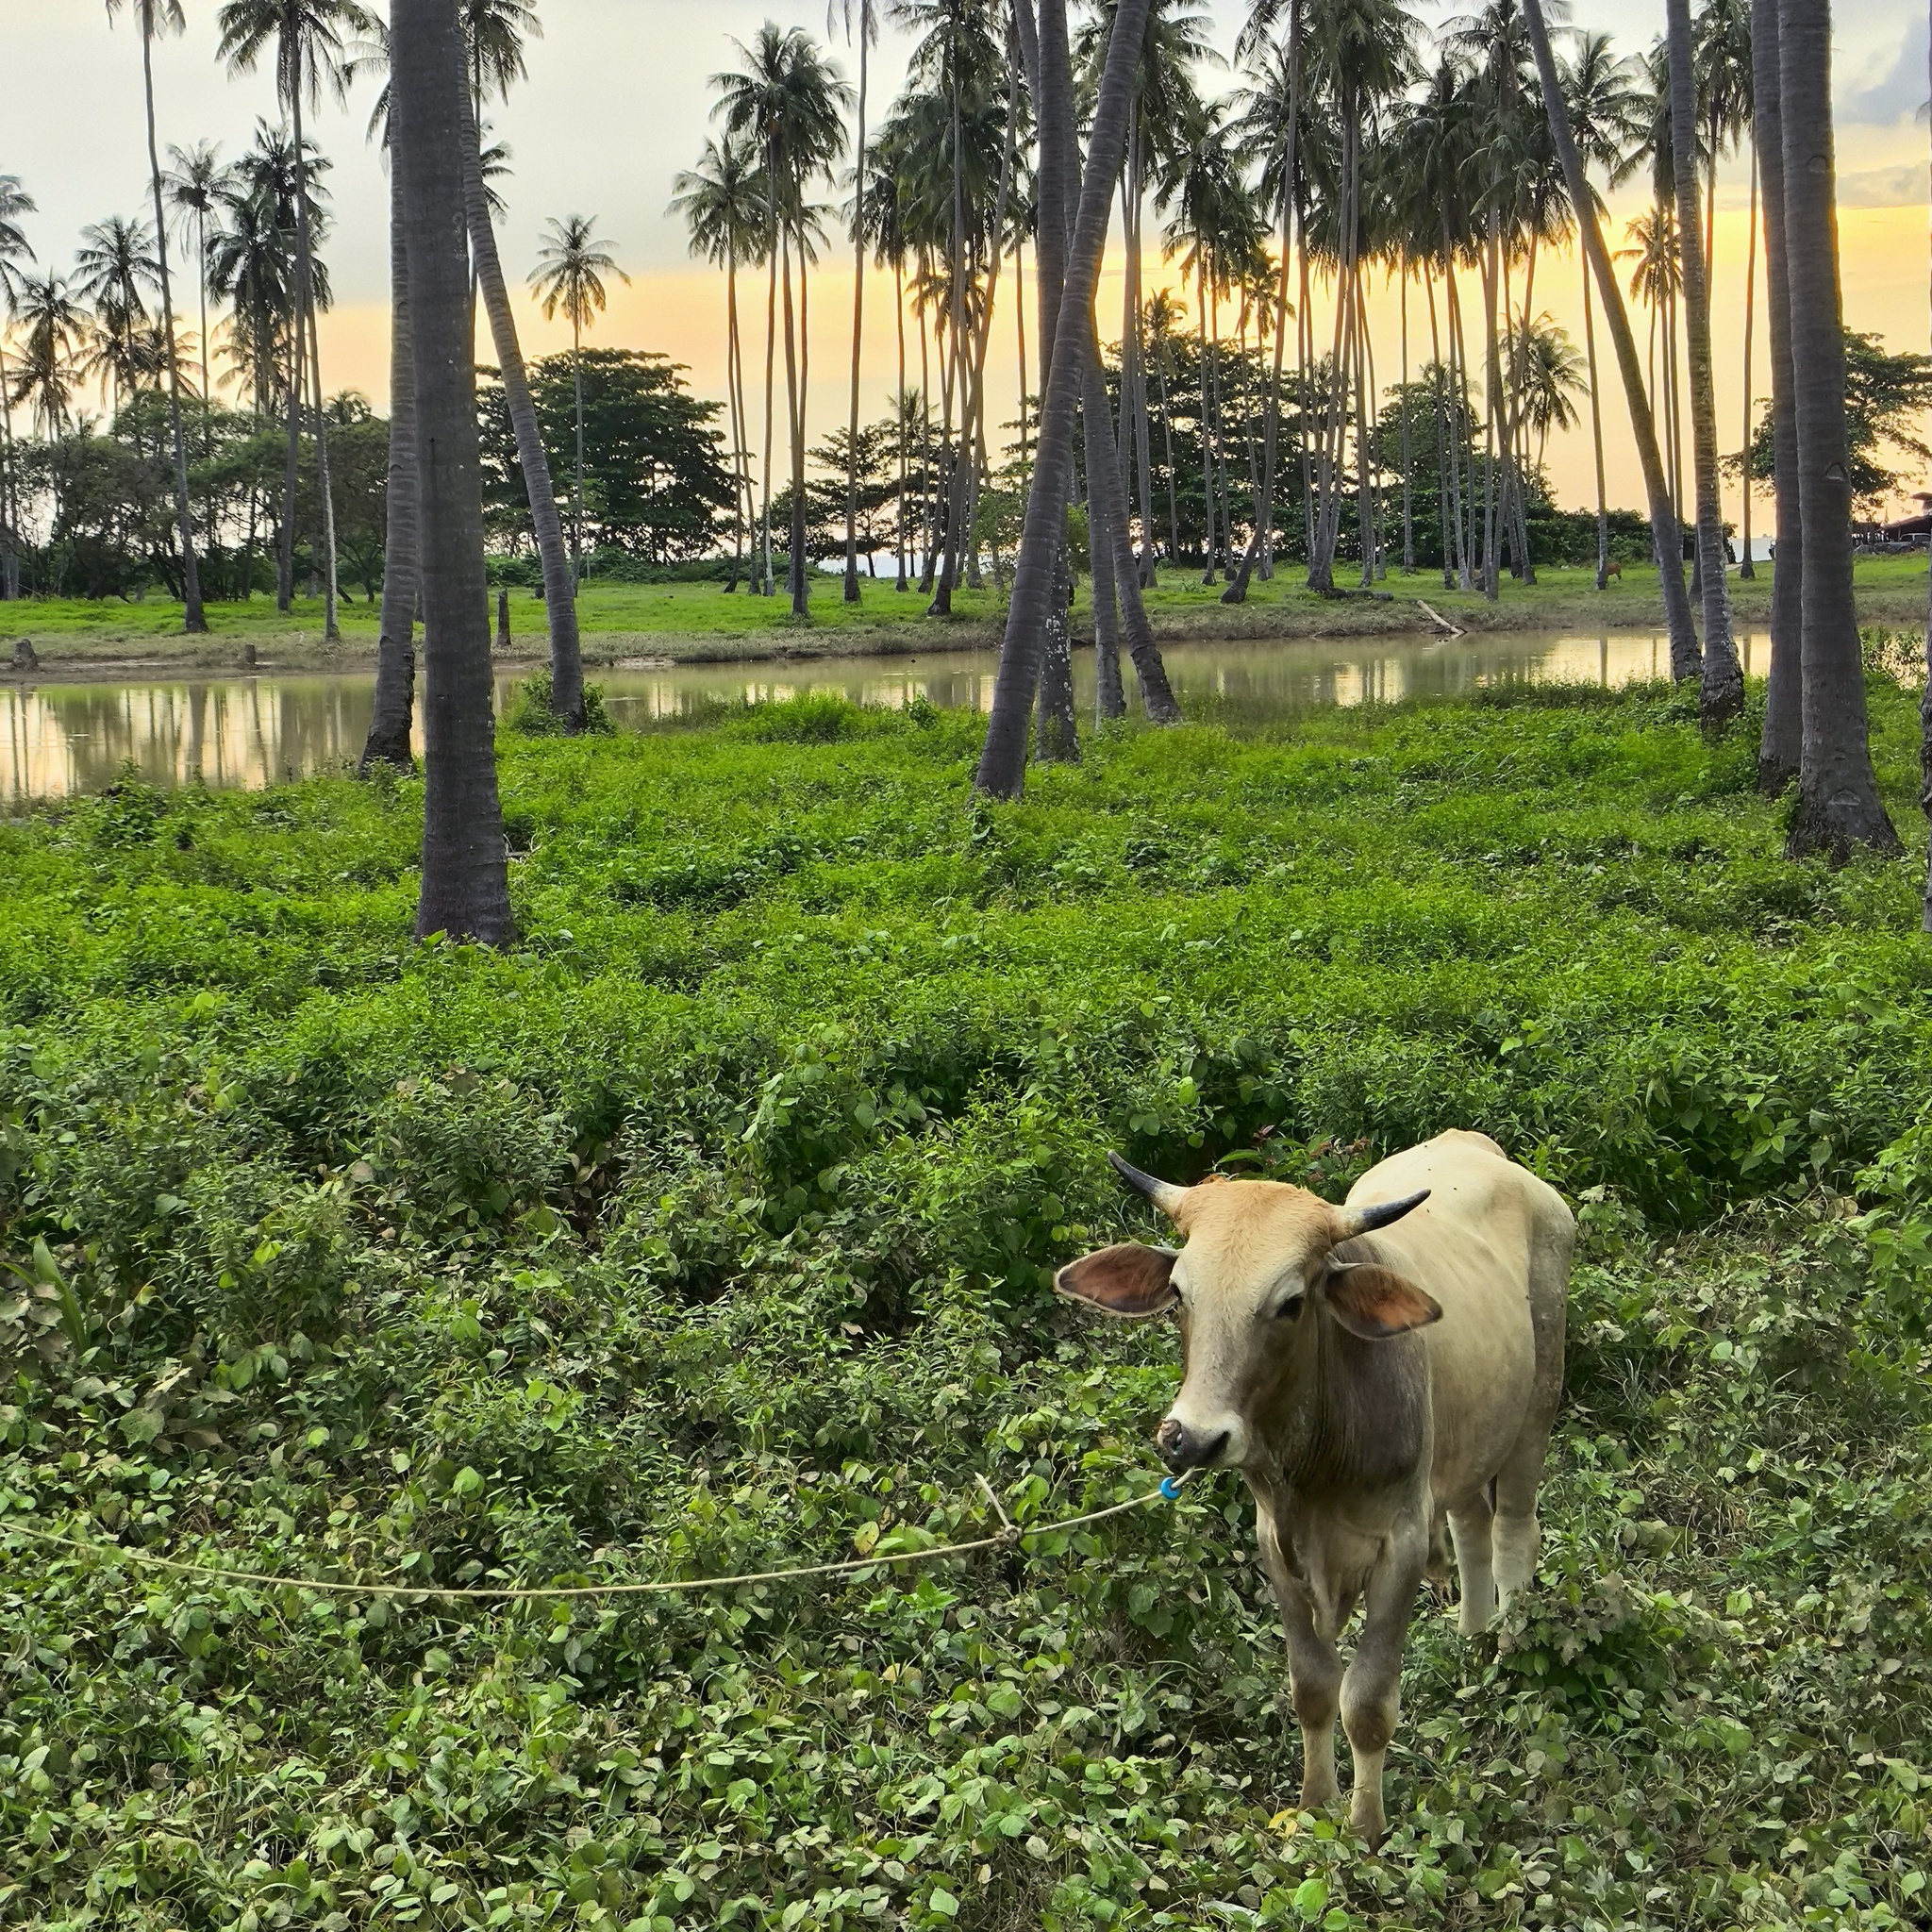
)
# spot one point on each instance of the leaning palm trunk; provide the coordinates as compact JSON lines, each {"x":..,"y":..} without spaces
{"x":1663,"y":517}
{"x":1723,"y":694}
{"x":1002,"y":768}
{"x":559,"y":587}
{"x":192,"y":617}
{"x":393,"y":716}
{"x":1780,"y":749}
{"x":1839,"y":809}
{"x":465,"y":884}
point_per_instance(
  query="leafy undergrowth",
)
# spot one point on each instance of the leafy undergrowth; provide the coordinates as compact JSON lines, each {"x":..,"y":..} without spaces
{"x":708,"y":1229}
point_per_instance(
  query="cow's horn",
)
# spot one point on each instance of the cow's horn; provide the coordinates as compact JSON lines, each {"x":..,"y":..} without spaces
{"x":1367,"y":1219}
{"x":1164,"y":1194}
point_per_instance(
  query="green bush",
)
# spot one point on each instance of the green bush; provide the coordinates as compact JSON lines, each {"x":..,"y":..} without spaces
{"x":532,"y":711}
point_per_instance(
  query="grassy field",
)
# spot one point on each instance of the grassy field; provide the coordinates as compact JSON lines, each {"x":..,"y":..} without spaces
{"x":696,"y":622}
{"x":708,"y":1228}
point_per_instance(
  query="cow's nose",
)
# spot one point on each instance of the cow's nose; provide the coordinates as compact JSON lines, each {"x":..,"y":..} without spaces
{"x":1181,"y":1450}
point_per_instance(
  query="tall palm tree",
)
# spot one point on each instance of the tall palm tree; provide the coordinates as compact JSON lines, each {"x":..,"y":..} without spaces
{"x":791,"y":101}
{"x":866,"y":15}
{"x":724,"y":204}
{"x":1550,"y":376}
{"x":1002,"y":768}
{"x":465,"y":884}
{"x":571,"y":266}
{"x":15,"y":204}
{"x":192,"y":188}
{"x":157,"y":17}
{"x":309,"y":43}
{"x":1663,"y":516}
{"x":1839,"y":809}
{"x":1603,"y":102}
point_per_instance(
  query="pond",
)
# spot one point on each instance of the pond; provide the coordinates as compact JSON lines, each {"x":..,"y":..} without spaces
{"x":236,"y":730}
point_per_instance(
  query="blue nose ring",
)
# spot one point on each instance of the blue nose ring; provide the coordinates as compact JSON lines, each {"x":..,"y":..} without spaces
{"x":1171,"y":1488}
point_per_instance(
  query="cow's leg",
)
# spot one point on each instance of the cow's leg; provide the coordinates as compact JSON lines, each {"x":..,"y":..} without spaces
{"x":1371,"y":1692}
{"x":1517,"y":1533}
{"x":1471,"y":1524}
{"x":1314,"y":1678}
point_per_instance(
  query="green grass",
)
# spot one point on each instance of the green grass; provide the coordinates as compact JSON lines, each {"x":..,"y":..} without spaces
{"x":708,"y":1227}
{"x":694,"y":621}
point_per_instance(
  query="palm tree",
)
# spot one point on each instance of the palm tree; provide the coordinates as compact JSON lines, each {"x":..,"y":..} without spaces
{"x":1002,"y":769}
{"x":723,"y":203}
{"x":1663,"y":516}
{"x":1838,"y":808}
{"x":193,"y":188}
{"x":15,"y":203}
{"x":1550,"y":374}
{"x":868,"y":32}
{"x":55,"y":326}
{"x":308,"y":41}
{"x":465,"y":883}
{"x":157,"y":17}
{"x":791,"y":102}
{"x":115,"y":271}
{"x":571,"y":267}
{"x":1604,"y":102}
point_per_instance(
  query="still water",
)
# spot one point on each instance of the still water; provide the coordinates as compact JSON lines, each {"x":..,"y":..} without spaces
{"x":56,"y":740}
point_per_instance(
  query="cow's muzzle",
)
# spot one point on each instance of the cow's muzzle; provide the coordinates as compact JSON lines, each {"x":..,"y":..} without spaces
{"x":1181,"y":1450}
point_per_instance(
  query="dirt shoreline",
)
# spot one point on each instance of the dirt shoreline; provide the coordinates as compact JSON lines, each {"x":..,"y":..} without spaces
{"x":1397,"y":615}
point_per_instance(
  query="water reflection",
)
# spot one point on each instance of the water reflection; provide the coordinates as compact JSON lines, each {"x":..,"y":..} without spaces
{"x":59,"y":739}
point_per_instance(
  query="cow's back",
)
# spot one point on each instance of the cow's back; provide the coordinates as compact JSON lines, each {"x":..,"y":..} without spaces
{"x":1493,"y":1244}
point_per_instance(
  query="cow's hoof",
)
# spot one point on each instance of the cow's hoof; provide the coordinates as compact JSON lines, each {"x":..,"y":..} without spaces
{"x":1369,"y":1825}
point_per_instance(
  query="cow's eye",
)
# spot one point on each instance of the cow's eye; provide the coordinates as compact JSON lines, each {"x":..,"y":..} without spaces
{"x":1291,"y":1310}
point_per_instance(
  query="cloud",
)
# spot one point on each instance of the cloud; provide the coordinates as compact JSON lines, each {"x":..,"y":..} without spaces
{"x":1902,"y":187}
{"x":1899,"y":93}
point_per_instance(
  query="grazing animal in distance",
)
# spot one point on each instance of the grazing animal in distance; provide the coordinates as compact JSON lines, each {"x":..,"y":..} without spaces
{"x":1373,"y":1370}
{"x":1613,"y":569}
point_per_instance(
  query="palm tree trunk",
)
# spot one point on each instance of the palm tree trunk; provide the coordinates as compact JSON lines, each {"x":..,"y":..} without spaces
{"x":1439,"y":397}
{"x":1002,"y":771}
{"x":576,"y":490}
{"x":852,"y":594}
{"x":801,"y":592}
{"x":292,"y":461}
{"x":559,"y":568}
{"x":1684,"y":651}
{"x":899,"y":313}
{"x":305,"y":301}
{"x":766,"y":588}
{"x":393,"y":715}
{"x":1596,"y":434}
{"x":1722,"y":697}
{"x":1207,"y":417}
{"x":1109,"y":694}
{"x":734,"y":390}
{"x":332,"y":629}
{"x":193,"y":619}
{"x":1408,"y":490}
{"x":1748,"y":569}
{"x":1839,"y":809}
{"x":465,"y":888}
{"x":1780,"y":751}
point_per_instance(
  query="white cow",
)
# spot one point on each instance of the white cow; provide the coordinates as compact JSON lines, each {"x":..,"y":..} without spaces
{"x":1371,"y":1371}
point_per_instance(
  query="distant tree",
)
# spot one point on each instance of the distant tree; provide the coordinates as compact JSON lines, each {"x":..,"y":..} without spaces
{"x":655,"y":478}
{"x":1886,"y":398}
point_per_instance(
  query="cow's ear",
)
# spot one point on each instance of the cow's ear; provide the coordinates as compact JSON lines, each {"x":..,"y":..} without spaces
{"x":1127,"y":1281}
{"x":1375,"y":1303}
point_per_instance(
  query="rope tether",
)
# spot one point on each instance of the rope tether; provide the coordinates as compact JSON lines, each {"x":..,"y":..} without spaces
{"x":1010,"y":1535}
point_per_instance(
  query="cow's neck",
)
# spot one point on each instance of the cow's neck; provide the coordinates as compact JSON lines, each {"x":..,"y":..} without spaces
{"x":1348,"y":1417}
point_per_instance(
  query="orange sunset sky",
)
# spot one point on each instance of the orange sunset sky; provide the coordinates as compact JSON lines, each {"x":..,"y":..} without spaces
{"x":618,"y":100}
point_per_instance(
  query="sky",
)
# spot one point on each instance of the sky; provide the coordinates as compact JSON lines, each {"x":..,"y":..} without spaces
{"x":619,"y":100}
